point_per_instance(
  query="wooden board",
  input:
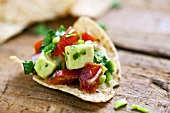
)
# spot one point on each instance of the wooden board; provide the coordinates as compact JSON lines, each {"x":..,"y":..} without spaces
{"x":145,"y":78}
{"x":141,"y":26}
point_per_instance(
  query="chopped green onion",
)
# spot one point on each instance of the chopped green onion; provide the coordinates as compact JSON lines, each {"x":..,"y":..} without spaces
{"x":110,"y":66}
{"x":144,"y":110}
{"x":103,"y":26}
{"x":56,"y":40}
{"x":102,"y":79}
{"x":80,"y":42}
{"x":109,"y":78}
{"x":71,"y":31}
{"x":70,"y":35}
{"x":120,"y":103}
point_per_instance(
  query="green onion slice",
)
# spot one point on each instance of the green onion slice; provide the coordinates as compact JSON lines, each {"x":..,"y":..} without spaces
{"x":137,"y":107}
{"x":120,"y":103}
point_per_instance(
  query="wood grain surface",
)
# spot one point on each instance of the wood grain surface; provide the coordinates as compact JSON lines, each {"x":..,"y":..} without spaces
{"x":140,"y":30}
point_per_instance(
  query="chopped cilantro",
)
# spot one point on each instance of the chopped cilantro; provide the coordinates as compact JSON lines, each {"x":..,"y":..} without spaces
{"x":46,"y":65}
{"x":48,"y":38}
{"x":28,"y":67}
{"x":83,"y":52}
{"x":103,"y":26}
{"x":49,"y":48}
{"x":99,"y":57}
{"x":41,"y":29}
{"x":76,"y":55}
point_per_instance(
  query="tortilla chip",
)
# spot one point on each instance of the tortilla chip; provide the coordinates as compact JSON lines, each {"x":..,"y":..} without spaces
{"x":16,"y":15}
{"x":103,"y":92}
{"x":91,"y":8}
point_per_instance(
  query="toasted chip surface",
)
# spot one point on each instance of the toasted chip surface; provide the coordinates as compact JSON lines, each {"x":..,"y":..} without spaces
{"x":103,"y":92}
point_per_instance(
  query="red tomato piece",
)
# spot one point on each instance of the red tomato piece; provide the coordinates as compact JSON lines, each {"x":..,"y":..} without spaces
{"x":37,"y":46}
{"x":64,"y":76}
{"x":88,"y":73}
{"x":86,"y":36}
{"x":65,"y":41}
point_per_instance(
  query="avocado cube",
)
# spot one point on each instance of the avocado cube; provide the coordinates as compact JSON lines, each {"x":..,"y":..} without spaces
{"x":45,"y":66}
{"x":78,"y":55}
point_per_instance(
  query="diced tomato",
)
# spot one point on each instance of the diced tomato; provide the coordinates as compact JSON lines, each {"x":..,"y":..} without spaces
{"x":87,"y":74}
{"x":64,"y":76}
{"x":86,"y":36}
{"x":37,"y":46}
{"x":65,"y":41}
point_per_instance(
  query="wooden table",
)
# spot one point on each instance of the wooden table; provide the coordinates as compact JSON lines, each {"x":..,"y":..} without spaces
{"x":140,"y":30}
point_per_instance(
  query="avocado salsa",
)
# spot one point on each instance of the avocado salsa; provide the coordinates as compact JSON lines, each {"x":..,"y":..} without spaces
{"x":66,"y":57}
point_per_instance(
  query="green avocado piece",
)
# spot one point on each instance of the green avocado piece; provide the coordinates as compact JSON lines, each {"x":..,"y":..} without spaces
{"x":45,"y":66}
{"x":78,"y":55}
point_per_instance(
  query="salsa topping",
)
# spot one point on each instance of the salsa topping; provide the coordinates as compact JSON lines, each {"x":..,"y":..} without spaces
{"x":28,"y":67}
{"x":64,"y":57}
{"x":64,"y":76}
{"x":65,"y":41}
{"x":89,"y":78}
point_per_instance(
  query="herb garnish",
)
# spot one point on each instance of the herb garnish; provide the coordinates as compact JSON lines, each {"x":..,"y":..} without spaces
{"x":28,"y":67}
{"x":46,"y":65}
{"x":48,"y":38}
{"x":61,"y":31}
{"x":41,"y":29}
{"x":49,"y":48}
{"x":83,"y":52}
{"x":76,"y":55}
{"x":120,"y":103}
{"x":99,"y":57}
{"x":137,"y":107}
{"x":48,"y":44}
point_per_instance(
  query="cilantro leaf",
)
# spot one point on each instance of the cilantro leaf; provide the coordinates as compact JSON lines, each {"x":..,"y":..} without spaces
{"x":76,"y":55}
{"x":28,"y":67}
{"x":48,"y":44}
{"x":49,"y":48}
{"x":99,"y":57}
{"x":41,"y":29}
{"x":62,"y":28}
{"x":48,"y":38}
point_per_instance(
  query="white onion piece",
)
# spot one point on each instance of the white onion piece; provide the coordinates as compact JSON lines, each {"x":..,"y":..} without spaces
{"x":95,"y":77}
{"x":35,"y":57}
